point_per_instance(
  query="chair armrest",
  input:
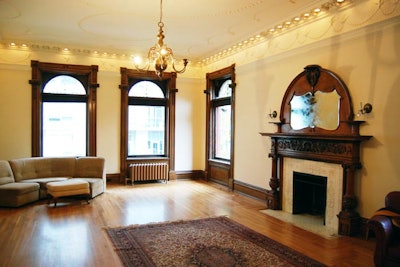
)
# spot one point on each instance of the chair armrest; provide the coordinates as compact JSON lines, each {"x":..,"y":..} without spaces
{"x":383,"y":229}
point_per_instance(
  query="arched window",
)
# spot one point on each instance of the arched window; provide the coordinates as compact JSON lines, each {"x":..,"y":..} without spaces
{"x":224,"y":90}
{"x":146,"y":119}
{"x":64,"y":84}
{"x":220,"y":125}
{"x":222,"y":119}
{"x":64,"y":117}
{"x":63,"y":109}
{"x":146,"y":89}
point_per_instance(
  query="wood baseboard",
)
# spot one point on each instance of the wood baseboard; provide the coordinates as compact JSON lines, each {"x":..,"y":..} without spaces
{"x":250,"y":190}
{"x":113,"y":178}
{"x":194,"y":174}
{"x":173,"y":175}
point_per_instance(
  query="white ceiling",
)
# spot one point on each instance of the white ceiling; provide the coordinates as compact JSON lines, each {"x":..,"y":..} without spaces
{"x":194,"y":29}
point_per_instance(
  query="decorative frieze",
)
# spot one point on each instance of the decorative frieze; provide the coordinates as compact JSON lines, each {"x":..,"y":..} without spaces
{"x":313,"y":146}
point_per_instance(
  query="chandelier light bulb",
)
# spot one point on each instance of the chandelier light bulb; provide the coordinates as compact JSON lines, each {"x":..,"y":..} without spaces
{"x":137,"y":60}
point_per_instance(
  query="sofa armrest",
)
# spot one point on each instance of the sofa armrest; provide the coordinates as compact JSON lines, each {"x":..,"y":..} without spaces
{"x":91,"y":167}
{"x":6,"y":174}
{"x":383,"y":229}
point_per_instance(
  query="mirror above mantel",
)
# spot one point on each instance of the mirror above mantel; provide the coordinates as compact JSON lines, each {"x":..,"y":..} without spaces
{"x":319,"y":109}
{"x":317,"y":123}
{"x":317,"y":101}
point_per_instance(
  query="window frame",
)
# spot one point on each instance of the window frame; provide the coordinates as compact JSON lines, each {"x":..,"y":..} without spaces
{"x":168,"y":81}
{"x":42,"y":72}
{"x":150,"y":101}
{"x":215,"y":103}
{"x":218,"y":169}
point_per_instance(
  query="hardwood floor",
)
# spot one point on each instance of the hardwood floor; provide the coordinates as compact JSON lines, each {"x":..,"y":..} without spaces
{"x":72,"y":234}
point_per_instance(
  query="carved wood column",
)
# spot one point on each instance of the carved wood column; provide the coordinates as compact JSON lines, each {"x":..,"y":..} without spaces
{"x":349,"y":219}
{"x":273,"y":195}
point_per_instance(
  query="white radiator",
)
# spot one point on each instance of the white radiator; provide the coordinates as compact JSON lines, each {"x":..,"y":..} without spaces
{"x":148,"y":171}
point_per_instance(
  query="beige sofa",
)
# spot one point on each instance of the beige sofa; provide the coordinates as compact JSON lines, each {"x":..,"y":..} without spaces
{"x":24,"y":180}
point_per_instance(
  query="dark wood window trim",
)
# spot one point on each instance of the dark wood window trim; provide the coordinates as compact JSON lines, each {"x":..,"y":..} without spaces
{"x":87,"y":75}
{"x":219,"y":167}
{"x":170,"y":78}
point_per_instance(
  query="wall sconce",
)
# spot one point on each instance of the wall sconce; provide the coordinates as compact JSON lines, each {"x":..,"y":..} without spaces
{"x":273,"y":114}
{"x":367,"y":108}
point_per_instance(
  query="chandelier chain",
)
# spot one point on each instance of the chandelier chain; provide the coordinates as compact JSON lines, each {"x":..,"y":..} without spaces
{"x":161,"y":7}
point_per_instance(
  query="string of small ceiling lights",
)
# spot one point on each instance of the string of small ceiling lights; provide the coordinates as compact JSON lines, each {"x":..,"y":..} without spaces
{"x":273,"y":31}
{"x":262,"y":36}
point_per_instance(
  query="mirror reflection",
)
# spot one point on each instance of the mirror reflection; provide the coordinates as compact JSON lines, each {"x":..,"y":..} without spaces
{"x":315,"y":110}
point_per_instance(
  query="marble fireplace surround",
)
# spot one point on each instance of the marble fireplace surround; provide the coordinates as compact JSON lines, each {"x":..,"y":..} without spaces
{"x":313,"y":154}
{"x":334,"y":174}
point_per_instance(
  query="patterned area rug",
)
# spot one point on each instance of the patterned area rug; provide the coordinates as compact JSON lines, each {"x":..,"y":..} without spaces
{"x":205,"y":242}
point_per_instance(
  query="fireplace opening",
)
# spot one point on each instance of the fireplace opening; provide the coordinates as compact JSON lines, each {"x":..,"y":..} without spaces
{"x":309,"y":194}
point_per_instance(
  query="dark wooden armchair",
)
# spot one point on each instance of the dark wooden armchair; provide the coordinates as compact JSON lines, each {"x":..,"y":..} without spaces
{"x":385,"y":224}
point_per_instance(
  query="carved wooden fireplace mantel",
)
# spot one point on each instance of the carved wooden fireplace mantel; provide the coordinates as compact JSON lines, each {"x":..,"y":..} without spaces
{"x":315,"y":96}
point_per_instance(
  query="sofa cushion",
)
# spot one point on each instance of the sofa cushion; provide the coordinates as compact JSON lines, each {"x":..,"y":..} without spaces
{"x":71,"y":184}
{"x":6,"y":174}
{"x":44,"y":181}
{"x":18,"y":194}
{"x":12,"y":189}
{"x":70,"y":187}
{"x":31,"y":168}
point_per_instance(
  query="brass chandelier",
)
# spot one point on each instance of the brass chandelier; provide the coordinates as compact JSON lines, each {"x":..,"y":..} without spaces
{"x":160,"y":55}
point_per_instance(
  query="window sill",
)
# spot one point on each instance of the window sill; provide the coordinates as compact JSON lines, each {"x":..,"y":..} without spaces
{"x":220,"y":162}
{"x":147,"y":158}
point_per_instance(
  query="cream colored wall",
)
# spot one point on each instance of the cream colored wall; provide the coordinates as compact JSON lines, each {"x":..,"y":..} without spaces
{"x":108,"y":119}
{"x":190,"y":124}
{"x":367,"y":59}
{"x":15,"y":107}
{"x":15,"y":111}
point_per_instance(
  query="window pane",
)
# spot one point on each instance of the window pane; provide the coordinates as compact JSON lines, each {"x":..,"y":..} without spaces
{"x":146,"y":128}
{"x":64,"y":84}
{"x":146,"y":89}
{"x":223,"y":132}
{"x":225,"y":90}
{"x":64,"y":129}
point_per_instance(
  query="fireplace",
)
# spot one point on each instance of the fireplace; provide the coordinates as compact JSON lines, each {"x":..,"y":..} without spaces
{"x":309,"y":194}
{"x":334,"y":187}
{"x":319,"y":137}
